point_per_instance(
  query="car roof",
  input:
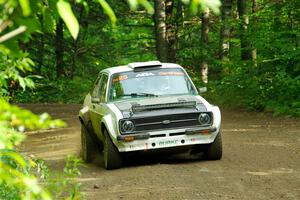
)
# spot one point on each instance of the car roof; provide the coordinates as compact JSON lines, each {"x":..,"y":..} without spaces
{"x":128,"y":68}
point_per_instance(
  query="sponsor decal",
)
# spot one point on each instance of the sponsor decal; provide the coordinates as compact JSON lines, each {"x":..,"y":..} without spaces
{"x":119,"y":77}
{"x":137,"y":147}
{"x":168,"y":142}
{"x":171,"y":73}
{"x":195,"y":140}
{"x":144,"y":74}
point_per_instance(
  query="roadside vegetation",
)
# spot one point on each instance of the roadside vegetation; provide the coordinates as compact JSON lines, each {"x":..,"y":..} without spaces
{"x":246,"y":52}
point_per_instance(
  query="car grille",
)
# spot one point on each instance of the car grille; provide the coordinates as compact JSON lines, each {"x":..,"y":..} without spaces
{"x":163,"y":122}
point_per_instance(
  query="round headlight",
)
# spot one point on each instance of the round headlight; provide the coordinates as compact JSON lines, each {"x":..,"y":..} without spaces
{"x":127,"y":126}
{"x":204,"y":118}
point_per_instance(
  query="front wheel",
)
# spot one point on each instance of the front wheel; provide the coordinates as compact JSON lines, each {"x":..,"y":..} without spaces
{"x":215,"y":149}
{"x":112,"y":157}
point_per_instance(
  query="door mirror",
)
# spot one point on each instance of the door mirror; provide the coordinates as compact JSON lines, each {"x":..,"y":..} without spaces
{"x":202,"y":90}
{"x":95,"y":100}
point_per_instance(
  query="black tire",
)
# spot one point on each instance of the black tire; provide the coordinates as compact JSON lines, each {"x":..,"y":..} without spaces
{"x":215,"y":149}
{"x":98,"y":145}
{"x":112,"y":157}
{"x":87,"y":145}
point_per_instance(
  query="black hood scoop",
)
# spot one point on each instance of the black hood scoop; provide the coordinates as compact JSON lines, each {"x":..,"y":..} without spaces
{"x":160,"y":105}
{"x":183,"y":104}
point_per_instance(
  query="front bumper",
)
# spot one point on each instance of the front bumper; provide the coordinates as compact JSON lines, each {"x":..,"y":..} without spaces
{"x":166,"y":139}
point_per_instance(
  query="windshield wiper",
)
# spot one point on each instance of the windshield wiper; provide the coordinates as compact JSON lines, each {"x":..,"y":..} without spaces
{"x":141,"y":94}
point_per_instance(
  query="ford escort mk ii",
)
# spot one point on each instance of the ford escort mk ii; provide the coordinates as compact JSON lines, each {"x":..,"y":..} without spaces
{"x":147,"y":106}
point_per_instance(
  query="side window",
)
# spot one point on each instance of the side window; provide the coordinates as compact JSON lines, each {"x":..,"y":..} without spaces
{"x":102,"y":88}
{"x":96,"y":88}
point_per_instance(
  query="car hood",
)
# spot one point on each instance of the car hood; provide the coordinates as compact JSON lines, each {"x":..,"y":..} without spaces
{"x":160,"y":105}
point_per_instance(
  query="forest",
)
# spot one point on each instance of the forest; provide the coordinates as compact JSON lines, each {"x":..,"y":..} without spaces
{"x":246,"y":52}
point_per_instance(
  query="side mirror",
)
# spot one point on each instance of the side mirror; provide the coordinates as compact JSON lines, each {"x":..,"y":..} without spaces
{"x":202,"y":90}
{"x":95,"y":100}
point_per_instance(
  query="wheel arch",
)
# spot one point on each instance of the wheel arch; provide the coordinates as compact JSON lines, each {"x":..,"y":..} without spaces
{"x":81,"y":120}
{"x":103,"y":127}
{"x":109,"y":125}
{"x":83,"y":116}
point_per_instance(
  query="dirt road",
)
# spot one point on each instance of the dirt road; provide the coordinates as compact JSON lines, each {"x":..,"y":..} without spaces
{"x":261,"y":160}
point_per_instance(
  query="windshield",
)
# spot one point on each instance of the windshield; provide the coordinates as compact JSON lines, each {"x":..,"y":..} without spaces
{"x":167,"y":81}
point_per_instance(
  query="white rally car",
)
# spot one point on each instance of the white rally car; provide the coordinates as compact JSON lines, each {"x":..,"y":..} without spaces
{"x":147,"y":106}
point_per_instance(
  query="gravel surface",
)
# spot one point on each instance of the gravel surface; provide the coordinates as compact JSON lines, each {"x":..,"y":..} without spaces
{"x":261,"y":160}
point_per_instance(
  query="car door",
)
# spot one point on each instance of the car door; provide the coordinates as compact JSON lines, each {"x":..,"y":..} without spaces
{"x":98,"y":104}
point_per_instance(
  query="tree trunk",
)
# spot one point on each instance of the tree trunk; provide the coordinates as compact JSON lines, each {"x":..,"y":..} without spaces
{"x":73,"y":58}
{"x":254,"y":51}
{"x":204,"y":39}
{"x":59,"y":37}
{"x":160,"y":30}
{"x":40,"y":57}
{"x":178,"y":19}
{"x":254,"y":6}
{"x":225,"y":29}
{"x":170,"y":31}
{"x":75,"y":43}
{"x":244,"y":23}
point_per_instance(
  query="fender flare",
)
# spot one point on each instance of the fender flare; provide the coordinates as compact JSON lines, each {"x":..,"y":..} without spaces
{"x":84,"y":116}
{"x":111,"y":127}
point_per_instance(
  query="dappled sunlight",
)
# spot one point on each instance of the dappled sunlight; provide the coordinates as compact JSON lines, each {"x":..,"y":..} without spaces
{"x":273,"y":172}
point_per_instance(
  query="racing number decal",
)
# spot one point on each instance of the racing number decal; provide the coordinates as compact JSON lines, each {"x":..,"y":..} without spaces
{"x":120,"y":78}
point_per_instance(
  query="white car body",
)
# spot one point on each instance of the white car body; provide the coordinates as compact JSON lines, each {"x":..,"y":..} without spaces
{"x":107,"y":115}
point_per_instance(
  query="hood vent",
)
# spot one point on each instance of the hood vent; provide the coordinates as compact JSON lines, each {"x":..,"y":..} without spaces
{"x":185,"y":104}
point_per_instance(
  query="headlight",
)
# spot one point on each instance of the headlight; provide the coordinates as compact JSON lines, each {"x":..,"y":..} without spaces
{"x":127,"y":126}
{"x":204,"y":119}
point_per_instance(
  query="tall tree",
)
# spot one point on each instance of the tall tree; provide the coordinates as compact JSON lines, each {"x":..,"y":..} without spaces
{"x":178,"y":21}
{"x":40,"y":59}
{"x":75,"y":46}
{"x":244,"y":23}
{"x":160,"y":30}
{"x":170,"y":31}
{"x":204,"y":39}
{"x":253,"y":50}
{"x":225,"y":29}
{"x":59,"y":48}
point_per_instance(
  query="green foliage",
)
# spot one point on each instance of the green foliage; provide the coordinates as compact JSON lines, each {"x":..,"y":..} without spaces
{"x":271,"y":83}
{"x":18,"y":21}
{"x":258,"y":88}
{"x":60,"y":91}
{"x":65,"y":11}
{"x":64,"y":185}
{"x":22,"y":119}
{"x":107,"y":9}
{"x":10,"y":74}
{"x":59,"y":185}
{"x":146,"y":4}
{"x":20,"y":175}
{"x":214,"y":5}
{"x":16,"y":178}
